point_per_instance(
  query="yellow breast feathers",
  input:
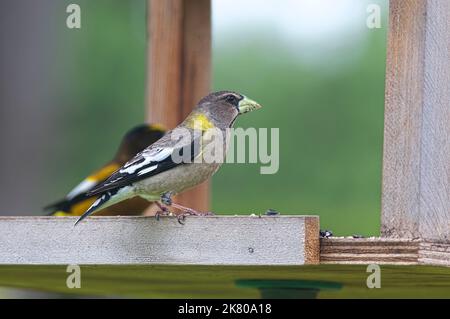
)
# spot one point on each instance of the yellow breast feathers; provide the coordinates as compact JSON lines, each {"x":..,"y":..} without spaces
{"x":198,"y":121}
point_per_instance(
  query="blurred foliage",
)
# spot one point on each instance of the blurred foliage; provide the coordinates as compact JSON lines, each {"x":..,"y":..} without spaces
{"x":103,"y":65}
{"x":330,"y":114}
{"x":331,"y":127}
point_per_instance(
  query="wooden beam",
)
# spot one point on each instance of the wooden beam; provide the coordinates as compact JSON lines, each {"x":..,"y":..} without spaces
{"x":375,"y":250}
{"x":416,"y":161}
{"x":365,"y":251}
{"x":434,"y":253}
{"x":224,"y":240}
{"x":179,"y":69}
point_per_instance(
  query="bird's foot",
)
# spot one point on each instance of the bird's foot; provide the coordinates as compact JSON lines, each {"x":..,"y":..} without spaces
{"x":160,"y":213}
{"x":186,"y":211}
{"x":162,"y":207}
{"x":163,"y":211}
{"x":191,"y":211}
{"x":182,"y":216}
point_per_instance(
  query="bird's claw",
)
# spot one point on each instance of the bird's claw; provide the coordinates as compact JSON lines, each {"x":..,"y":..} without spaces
{"x":160,"y":213}
{"x":207,"y":214}
{"x":163,"y":211}
{"x":182,"y":217}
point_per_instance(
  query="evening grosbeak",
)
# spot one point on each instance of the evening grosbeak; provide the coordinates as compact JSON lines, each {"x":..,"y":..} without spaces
{"x":77,"y":201}
{"x":155,"y":175}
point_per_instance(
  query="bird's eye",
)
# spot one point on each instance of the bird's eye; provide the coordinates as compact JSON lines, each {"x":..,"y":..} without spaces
{"x":232,"y":99}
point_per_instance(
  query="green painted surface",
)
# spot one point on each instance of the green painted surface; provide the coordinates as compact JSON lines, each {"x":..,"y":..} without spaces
{"x":226,"y":281}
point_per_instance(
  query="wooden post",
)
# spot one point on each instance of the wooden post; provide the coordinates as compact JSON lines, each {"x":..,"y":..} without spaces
{"x":416,"y":163}
{"x":178,"y":69}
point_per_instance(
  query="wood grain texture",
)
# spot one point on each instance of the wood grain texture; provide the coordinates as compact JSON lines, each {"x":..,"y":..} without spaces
{"x":434,"y":253}
{"x":179,"y":69}
{"x":392,"y":251}
{"x":164,"y":61}
{"x":196,"y":78}
{"x":312,"y":241}
{"x":224,"y":240}
{"x":369,"y":251}
{"x":416,"y":160}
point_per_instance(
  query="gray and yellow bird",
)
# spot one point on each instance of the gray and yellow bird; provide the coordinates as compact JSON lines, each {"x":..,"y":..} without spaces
{"x":156,"y":173}
{"x":77,"y":201}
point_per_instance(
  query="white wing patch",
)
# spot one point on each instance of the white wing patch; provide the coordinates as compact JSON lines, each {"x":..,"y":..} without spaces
{"x":146,"y":170}
{"x":83,"y":187}
{"x":97,"y":201}
{"x":154,"y":155}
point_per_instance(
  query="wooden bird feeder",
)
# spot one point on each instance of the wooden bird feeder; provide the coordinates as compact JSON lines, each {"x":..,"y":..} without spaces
{"x":415,"y":217}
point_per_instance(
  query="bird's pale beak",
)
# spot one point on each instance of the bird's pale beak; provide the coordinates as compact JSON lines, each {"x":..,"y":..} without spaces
{"x":247,"y":105}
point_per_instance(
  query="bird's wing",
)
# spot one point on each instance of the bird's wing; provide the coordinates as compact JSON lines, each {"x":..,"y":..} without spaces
{"x":66,"y":205}
{"x":85,"y":186}
{"x":78,"y":194}
{"x":93,"y":180}
{"x":151,"y":161}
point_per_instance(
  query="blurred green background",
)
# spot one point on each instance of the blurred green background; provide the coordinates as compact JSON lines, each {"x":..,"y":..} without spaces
{"x":315,"y":66}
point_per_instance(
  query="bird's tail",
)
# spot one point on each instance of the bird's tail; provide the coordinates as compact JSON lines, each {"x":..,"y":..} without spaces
{"x":60,"y":206}
{"x":70,"y":207}
{"x":106,"y":199}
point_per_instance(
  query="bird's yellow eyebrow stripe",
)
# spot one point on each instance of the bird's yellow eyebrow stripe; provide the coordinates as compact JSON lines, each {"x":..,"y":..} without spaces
{"x":198,"y":121}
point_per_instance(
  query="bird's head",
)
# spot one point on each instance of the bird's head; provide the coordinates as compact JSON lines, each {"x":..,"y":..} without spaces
{"x":224,"y":106}
{"x":137,"y":139}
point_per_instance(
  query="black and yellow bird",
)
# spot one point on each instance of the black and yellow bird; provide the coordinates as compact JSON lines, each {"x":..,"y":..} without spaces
{"x":77,"y":201}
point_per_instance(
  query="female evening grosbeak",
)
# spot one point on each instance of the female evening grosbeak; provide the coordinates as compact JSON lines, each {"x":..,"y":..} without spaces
{"x":77,"y":201}
{"x":154,"y":174}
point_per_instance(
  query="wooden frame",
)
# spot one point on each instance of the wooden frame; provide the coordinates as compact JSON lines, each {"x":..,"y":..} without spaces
{"x":416,"y":169}
{"x":416,"y":162}
{"x":224,"y":240}
{"x":416,"y":166}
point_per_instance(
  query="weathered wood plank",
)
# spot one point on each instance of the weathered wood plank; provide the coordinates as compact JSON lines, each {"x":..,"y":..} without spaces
{"x":221,"y":240}
{"x":179,"y":69}
{"x":369,"y":251}
{"x":416,"y":165}
{"x":375,"y":250}
{"x":433,"y":253}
